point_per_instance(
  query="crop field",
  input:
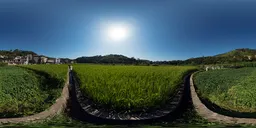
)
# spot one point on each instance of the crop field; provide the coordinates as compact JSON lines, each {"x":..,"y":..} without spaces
{"x":58,"y":72}
{"x":24,"y":92}
{"x":232,"y":89}
{"x":131,"y":88}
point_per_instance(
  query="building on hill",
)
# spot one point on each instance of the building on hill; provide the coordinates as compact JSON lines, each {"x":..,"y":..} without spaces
{"x":249,"y":57}
{"x":2,"y":56}
{"x":19,"y":60}
{"x":51,"y":61}
{"x":43,"y":59}
{"x":57,"y":61}
{"x":37,"y":59}
{"x":30,"y":57}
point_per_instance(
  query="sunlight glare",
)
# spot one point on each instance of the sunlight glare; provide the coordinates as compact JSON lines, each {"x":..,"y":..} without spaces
{"x":117,"y":32}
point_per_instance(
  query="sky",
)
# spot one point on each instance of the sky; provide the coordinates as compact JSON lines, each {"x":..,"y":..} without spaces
{"x":158,"y":29}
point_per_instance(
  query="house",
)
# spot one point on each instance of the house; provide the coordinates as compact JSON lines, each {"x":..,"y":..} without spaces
{"x":27,"y":60}
{"x":19,"y":60}
{"x":33,"y":59}
{"x":57,"y":61}
{"x":44,"y":59}
{"x":37,"y":59}
{"x":30,"y":57}
{"x":2,"y":57}
{"x":51,"y":61}
{"x":249,"y":57}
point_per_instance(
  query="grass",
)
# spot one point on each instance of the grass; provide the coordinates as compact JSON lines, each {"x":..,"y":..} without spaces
{"x":188,"y":119}
{"x":130,"y":88}
{"x":232,"y":89}
{"x":20,"y":92}
{"x":55,"y":71}
{"x":29,"y":90}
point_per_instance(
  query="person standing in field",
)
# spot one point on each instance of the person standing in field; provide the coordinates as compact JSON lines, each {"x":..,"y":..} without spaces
{"x":69,"y":67}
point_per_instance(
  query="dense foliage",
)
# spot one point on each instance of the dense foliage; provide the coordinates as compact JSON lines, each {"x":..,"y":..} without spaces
{"x":235,"y":56}
{"x":233,"y":89}
{"x":130,"y":87}
{"x":3,"y":64}
{"x":13,"y":53}
{"x":58,"y":72}
{"x":24,"y":92}
{"x":112,"y":59}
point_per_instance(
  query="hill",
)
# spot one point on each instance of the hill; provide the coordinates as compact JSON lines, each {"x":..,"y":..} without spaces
{"x":111,"y":59}
{"x":13,"y":53}
{"x":234,"y":56}
{"x":239,"y":53}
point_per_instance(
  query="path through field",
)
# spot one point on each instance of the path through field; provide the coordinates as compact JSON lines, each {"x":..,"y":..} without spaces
{"x":183,"y":113}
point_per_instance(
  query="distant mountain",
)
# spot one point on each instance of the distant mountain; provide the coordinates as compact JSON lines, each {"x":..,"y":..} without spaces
{"x":111,"y":59}
{"x":13,"y":53}
{"x":239,"y":53}
{"x":234,"y":56}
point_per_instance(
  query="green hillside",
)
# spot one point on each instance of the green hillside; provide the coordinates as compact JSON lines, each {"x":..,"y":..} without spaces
{"x":244,"y":52}
{"x":10,"y":54}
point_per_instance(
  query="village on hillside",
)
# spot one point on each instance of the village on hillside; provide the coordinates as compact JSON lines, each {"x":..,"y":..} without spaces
{"x":33,"y":59}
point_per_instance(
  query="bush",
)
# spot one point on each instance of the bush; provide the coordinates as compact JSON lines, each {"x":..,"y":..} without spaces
{"x":3,"y":64}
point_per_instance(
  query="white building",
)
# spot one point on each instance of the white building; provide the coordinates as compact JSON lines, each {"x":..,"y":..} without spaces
{"x":57,"y":61}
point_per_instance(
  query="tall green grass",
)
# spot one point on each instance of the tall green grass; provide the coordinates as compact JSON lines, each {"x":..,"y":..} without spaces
{"x":131,"y":88}
{"x":29,"y":90}
{"x":233,"y":89}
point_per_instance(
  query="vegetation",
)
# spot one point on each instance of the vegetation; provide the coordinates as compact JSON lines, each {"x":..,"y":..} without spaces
{"x":235,"y":56}
{"x":239,"y":53}
{"x":20,"y":92}
{"x":130,"y":88}
{"x":3,"y":64}
{"x":112,"y":59}
{"x":232,"y":89}
{"x":13,"y":53}
{"x":24,"y":92}
{"x":58,"y":72}
{"x":63,"y":121}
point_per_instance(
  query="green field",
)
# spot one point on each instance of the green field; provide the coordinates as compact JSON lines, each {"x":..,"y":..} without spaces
{"x":24,"y":92}
{"x":232,"y":89}
{"x":131,"y":88}
{"x":58,"y":72}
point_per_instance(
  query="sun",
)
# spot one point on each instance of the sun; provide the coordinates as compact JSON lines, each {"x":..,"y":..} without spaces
{"x":117,"y":32}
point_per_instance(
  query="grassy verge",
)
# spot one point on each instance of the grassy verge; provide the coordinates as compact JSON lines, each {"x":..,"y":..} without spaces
{"x":30,"y":90}
{"x":23,"y":92}
{"x":232,"y":89}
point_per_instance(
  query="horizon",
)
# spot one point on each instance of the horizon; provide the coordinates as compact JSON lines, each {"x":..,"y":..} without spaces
{"x":153,"y":30}
{"x":130,"y":56}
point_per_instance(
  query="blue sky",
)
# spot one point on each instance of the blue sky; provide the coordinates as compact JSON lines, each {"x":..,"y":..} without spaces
{"x":162,"y":29}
